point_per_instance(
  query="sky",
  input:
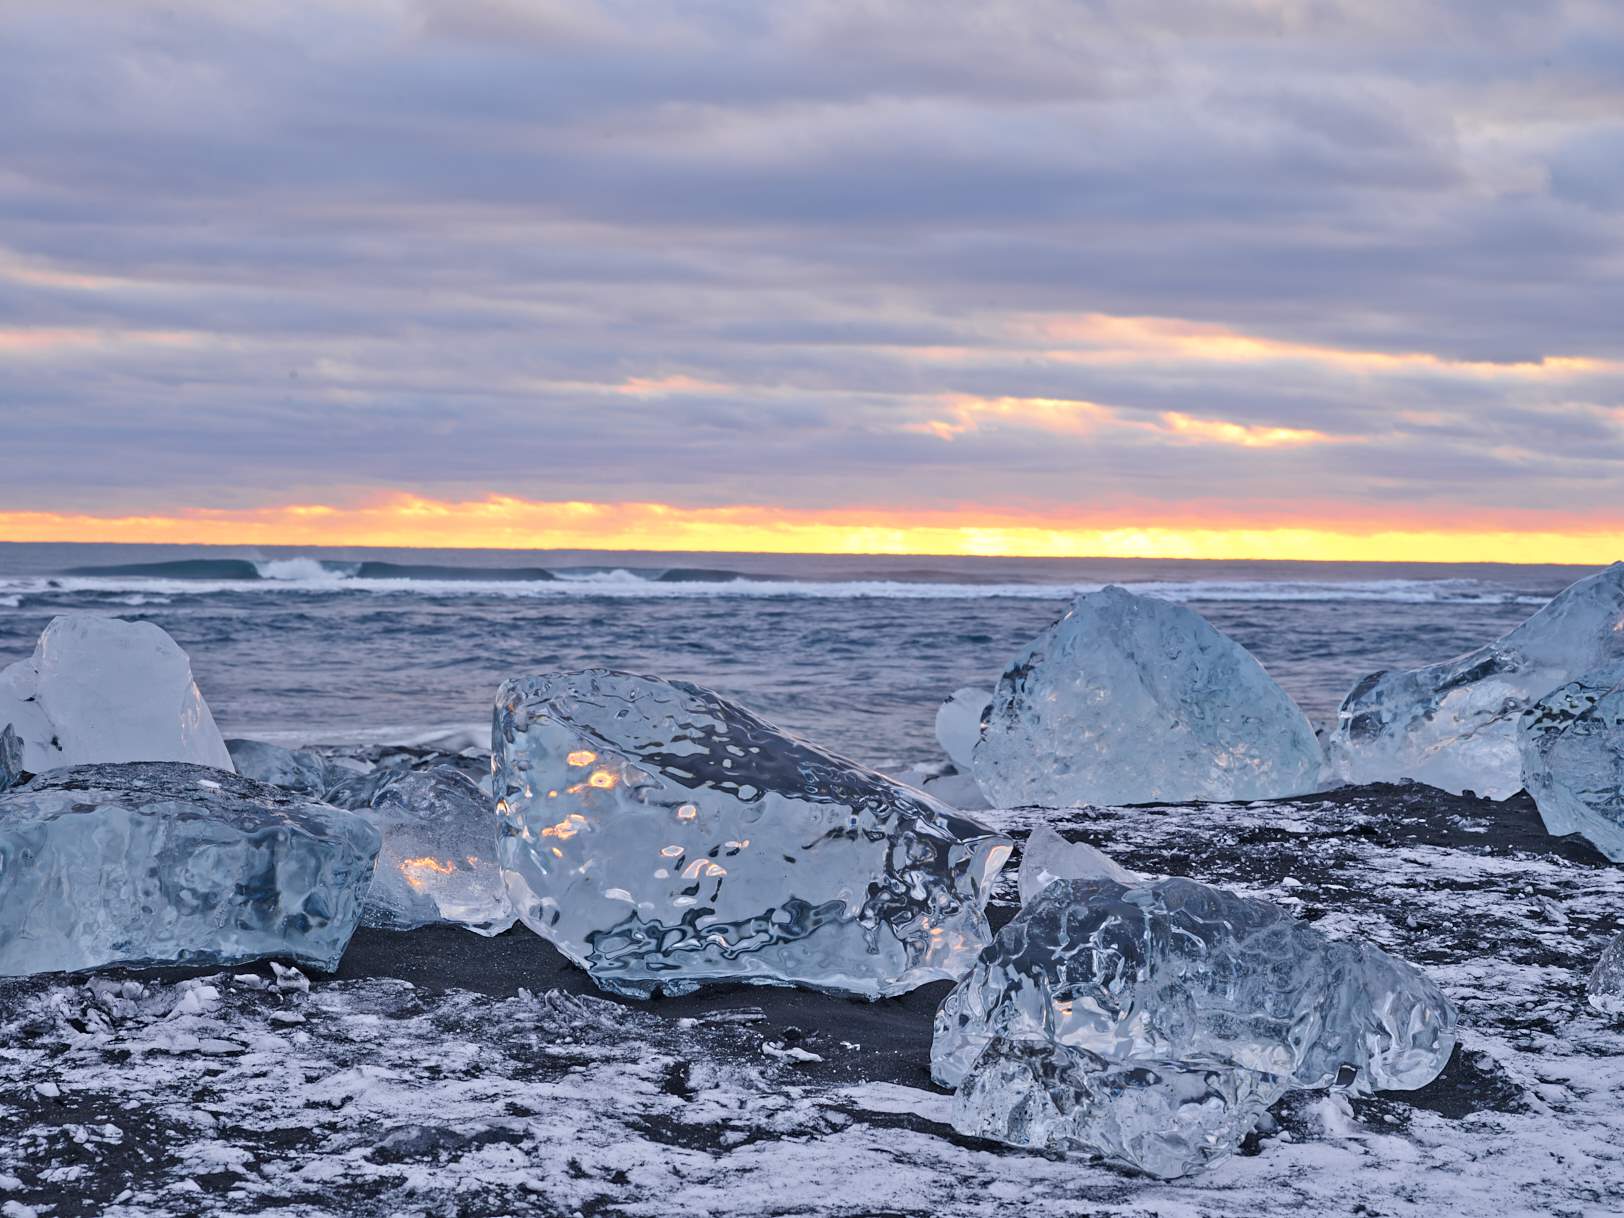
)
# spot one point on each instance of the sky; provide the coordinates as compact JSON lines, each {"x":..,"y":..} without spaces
{"x":1226,"y":278}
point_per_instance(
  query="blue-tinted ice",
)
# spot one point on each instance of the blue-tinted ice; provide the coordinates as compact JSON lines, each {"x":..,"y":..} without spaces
{"x":151,"y":863}
{"x":1132,"y":699}
{"x":1572,"y":747}
{"x":1191,"y":984}
{"x":664,"y":837}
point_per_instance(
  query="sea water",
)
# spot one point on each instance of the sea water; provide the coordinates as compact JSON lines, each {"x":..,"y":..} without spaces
{"x":366,"y":645}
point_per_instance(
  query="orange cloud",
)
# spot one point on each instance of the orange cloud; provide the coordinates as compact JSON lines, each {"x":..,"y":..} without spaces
{"x":43,"y":341}
{"x":1219,"y":431}
{"x":510,"y":523}
{"x":1101,"y":338}
{"x":966,"y":413}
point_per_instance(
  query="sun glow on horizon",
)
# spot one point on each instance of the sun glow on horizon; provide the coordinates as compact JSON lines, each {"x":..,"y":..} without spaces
{"x":504,"y":522}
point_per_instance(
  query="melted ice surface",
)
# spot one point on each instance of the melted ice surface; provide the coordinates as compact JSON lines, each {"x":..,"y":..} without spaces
{"x":664,"y":837}
{"x":1572,"y":747}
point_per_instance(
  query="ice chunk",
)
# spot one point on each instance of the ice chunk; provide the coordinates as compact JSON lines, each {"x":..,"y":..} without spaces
{"x":158,"y":863}
{"x":438,"y":861}
{"x":1131,"y":699}
{"x":1163,"y":1118}
{"x":302,"y":771}
{"x":1572,"y":746}
{"x":1173,"y":975}
{"x":101,"y":689}
{"x":1454,"y":725}
{"x":11,"y":758}
{"x":1047,"y":857}
{"x":663,"y":837}
{"x":958,"y":724}
{"x":1605,"y":989}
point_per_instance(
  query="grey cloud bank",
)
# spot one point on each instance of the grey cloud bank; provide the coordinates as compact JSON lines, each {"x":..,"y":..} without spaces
{"x":747,"y":253}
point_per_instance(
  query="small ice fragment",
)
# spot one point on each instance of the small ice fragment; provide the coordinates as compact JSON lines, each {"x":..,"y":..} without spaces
{"x":49,"y":1090}
{"x":1605,"y":989}
{"x":663,"y":837}
{"x":1150,"y":1021}
{"x":790,"y":1053}
{"x":958,"y":724}
{"x":289,"y":979}
{"x":1455,"y":725}
{"x":134,"y":864}
{"x":1572,"y":747}
{"x":1133,"y":699}
{"x":99,"y":689}
{"x":11,"y":758}
{"x":1047,"y":857}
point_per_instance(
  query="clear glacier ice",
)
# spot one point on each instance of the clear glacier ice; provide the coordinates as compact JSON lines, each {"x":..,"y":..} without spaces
{"x":663,"y":837}
{"x":1047,"y":857}
{"x":1605,"y":988}
{"x":438,"y":859}
{"x":11,"y":758}
{"x":958,"y":725}
{"x":99,"y":689}
{"x":1454,"y":725}
{"x":1175,"y":976}
{"x":149,"y":863}
{"x":1132,"y":699}
{"x":1166,"y":1119}
{"x":300,"y":770}
{"x":1572,"y":747}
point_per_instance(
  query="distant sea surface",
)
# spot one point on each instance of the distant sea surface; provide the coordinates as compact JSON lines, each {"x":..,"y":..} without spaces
{"x":345,"y":645}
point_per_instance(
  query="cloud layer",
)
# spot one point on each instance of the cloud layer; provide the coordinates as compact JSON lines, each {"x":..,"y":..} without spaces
{"x":1110,"y":258}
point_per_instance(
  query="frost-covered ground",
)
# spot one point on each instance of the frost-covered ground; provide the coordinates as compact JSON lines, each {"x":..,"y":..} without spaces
{"x":423,"y":1079}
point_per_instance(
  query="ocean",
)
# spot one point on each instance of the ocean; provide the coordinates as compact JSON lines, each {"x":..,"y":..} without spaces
{"x":319,"y":645}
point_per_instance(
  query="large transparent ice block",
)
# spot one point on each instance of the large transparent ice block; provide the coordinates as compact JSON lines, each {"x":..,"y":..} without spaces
{"x":1202,"y":1006}
{"x":664,"y":837}
{"x":98,"y":689}
{"x":160,"y":863}
{"x":1132,"y":699}
{"x":1454,"y":725}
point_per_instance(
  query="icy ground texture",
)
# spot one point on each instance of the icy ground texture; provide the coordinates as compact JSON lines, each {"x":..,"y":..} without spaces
{"x":154,"y":862}
{"x":1172,"y":990}
{"x":663,"y":837}
{"x":1047,"y":857}
{"x":459,"y":1095}
{"x":1454,"y":725}
{"x":1128,"y":699}
{"x":1605,"y":990}
{"x":1572,"y":745}
{"x":438,"y":861}
{"x":958,"y":725}
{"x":100,"y":689}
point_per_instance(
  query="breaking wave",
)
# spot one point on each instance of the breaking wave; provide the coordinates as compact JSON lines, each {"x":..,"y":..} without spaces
{"x":216,"y":577}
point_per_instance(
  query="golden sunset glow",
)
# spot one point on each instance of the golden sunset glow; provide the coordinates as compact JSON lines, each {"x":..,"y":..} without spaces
{"x":509,"y":523}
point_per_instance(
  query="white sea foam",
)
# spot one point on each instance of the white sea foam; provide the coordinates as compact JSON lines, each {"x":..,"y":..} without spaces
{"x":307,"y":576}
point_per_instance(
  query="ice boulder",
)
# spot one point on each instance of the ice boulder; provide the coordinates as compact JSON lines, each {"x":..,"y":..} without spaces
{"x":296,"y":770}
{"x":1178,"y":1012}
{"x":1454,"y":725}
{"x":1605,"y":989}
{"x":1572,"y":746}
{"x":152,"y":863}
{"x":98,"y":689}
{"x":1132,"y":699}
{"x":663,"y":837}
{"x":1047,"y":857}
{"x":958,"y":725}
{"x":438,"y":859}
